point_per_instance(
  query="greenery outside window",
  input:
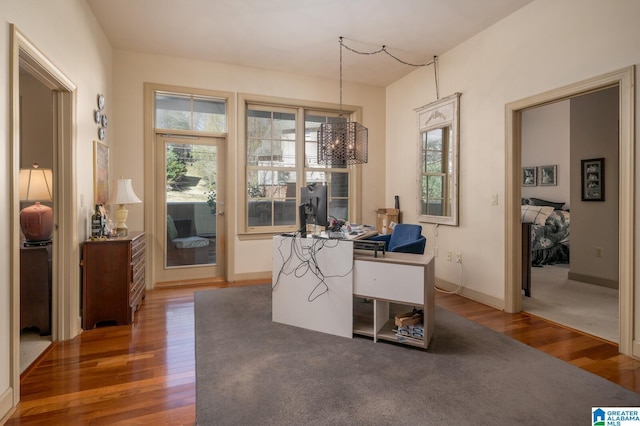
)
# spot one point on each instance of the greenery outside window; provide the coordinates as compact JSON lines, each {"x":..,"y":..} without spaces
{"x":435,"y":169}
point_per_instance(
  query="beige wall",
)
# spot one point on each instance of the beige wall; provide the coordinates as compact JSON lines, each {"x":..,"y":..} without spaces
{"x":546,"y":45}
{"x":68,"y":34}
{"x":545,"y":141}
{"x":36,"y":128}
{"x":132,"y":70}
{"x":594,"y":224}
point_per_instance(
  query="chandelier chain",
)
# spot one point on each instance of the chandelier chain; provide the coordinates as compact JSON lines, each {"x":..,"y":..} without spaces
{"x":341,"y":76}
{"x":383,"y":49}
{"x":435,"y":76}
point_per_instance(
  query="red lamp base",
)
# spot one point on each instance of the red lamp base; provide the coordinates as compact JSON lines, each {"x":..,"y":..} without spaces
{"x":36,"y":222}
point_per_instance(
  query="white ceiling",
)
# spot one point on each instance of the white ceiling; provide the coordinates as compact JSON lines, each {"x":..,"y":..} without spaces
{"x":300,"y":36}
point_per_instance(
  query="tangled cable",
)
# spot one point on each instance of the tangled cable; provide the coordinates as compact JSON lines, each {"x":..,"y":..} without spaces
{"x":302,"y":260}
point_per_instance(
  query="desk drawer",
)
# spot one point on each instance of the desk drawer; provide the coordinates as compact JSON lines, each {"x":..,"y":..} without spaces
{"x":389,"y":281}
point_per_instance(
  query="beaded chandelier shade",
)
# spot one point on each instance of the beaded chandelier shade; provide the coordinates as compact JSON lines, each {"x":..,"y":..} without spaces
{"x":342,"y":142}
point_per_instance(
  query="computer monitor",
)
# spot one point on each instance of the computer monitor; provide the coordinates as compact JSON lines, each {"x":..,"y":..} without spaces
{"x":313,"y":207}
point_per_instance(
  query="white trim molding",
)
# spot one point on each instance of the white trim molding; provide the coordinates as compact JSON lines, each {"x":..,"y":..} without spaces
{"x":625,"y":80}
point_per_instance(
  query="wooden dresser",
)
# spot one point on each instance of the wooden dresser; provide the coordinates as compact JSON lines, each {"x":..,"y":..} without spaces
{"x":113,"y":283}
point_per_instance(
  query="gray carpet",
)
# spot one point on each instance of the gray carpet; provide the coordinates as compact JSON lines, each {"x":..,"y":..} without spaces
{"x":251,"y":371}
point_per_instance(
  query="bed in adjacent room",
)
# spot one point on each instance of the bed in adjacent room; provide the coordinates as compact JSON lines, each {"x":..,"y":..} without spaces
{"x":546,"y":232}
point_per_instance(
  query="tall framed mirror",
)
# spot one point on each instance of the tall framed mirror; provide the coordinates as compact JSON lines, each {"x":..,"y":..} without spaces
{"x":438,"y":144}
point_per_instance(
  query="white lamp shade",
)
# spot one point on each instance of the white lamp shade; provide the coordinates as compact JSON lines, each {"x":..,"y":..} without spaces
{"x":122,"y":193}
{"x":36,"y":184}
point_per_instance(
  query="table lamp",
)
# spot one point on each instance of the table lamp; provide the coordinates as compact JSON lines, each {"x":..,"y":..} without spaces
{"x":36,"y":221}
{"x":122,"y":193}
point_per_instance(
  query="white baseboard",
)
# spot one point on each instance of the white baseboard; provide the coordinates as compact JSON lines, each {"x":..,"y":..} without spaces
{"x":635,"y":350}
{"x":253,"y":276}
{"x":6,"y":405}
{"x":589,"y":279}
{"x":485,"y":299}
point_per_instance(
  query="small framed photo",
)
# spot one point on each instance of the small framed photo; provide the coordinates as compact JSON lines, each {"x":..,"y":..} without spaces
{"x":529,"y":176}
{"x":593,"y":179}
{"x":548,"y":175}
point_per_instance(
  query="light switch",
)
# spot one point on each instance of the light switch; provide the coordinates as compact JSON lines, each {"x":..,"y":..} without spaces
{"x":494,"y":199}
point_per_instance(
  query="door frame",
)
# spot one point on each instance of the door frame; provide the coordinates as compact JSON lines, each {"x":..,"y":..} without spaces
{"x":625,"y":80}
{"x":65,"y":302}
{"x":151,"y":216}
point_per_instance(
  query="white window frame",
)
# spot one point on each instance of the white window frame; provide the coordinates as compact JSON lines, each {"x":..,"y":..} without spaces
{"x":301,"y":169}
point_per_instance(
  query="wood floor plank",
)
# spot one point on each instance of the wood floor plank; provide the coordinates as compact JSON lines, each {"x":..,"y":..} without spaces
{"x":145,"y":373}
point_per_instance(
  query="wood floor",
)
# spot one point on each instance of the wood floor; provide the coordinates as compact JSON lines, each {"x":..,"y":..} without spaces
{"x":145,"y":373}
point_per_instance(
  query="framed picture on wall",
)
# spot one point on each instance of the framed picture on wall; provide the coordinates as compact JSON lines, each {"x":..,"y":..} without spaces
{"x":100,"y":172}
{"x":529,"y":176}
{"x":593,"y":179}
{"x":548,"y":175}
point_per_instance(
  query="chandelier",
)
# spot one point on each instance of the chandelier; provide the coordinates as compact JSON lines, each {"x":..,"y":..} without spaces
{"x":342,"y":142}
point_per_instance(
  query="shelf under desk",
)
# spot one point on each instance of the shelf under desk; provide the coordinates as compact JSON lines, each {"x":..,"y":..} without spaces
{"x":397,"y":278}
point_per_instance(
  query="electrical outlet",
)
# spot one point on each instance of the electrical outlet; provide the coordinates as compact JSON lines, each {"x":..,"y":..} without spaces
{"x":458,"y":257}
{"x":598,"y":251}
{"x":449,"y":256}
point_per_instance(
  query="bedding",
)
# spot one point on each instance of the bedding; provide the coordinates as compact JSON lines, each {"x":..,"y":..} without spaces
{"x":550,"y":231}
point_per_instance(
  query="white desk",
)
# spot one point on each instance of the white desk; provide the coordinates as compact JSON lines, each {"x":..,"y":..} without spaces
{"x":312,"y":284}
{"x":401,"y":278}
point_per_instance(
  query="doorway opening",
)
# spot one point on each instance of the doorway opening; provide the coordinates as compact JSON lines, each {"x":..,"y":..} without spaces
{"x":63,"y":319}
{"x":571,"y":259}
{"x":36,"y":150}
{"x":624,"y":80}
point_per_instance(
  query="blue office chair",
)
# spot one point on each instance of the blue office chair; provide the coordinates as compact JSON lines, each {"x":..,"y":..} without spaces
{"x":406,"y":238}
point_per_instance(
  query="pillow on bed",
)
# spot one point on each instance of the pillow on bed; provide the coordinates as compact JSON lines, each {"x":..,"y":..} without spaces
{"x":539,"y":202}
{"x":536,"y":214}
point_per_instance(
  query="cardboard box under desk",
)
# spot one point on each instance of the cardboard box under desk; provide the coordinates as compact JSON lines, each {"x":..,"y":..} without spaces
{"x":391,"y":215}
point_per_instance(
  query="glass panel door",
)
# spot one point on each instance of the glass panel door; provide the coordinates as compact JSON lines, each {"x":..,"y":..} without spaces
{"x":190,"y":208}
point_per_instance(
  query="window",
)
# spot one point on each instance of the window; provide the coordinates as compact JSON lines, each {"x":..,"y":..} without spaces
{"x":271,"y":166}
{"x":281,"y":156}
{"x":176,"y":111}
{"x":337,"y":178}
